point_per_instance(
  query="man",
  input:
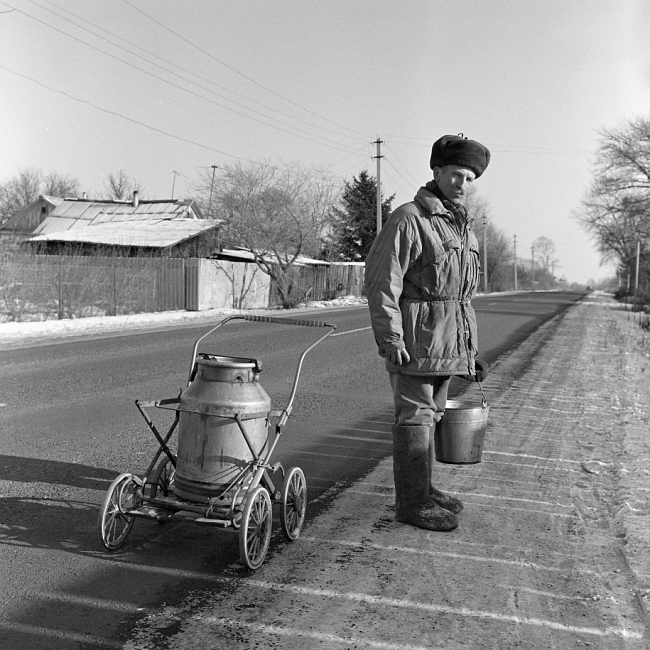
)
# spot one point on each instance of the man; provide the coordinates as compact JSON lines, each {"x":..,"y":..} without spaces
{"x":421,"y":273}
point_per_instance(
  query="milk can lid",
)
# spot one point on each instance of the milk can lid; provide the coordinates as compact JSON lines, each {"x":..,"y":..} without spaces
{"x":218,"y":361}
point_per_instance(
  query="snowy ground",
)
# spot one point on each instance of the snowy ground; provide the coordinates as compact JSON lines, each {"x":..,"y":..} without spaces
{"x":15,"y":334}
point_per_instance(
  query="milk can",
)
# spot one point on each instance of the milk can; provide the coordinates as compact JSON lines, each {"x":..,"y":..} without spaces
{"x":211,"y":446}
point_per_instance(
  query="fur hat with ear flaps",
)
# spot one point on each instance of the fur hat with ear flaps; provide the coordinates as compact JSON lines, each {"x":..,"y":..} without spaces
{"x":458,"y":150}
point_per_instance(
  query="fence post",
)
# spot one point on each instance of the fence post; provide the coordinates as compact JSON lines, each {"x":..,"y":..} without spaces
{"x":114,"y":288}
{"x":60,"y":288}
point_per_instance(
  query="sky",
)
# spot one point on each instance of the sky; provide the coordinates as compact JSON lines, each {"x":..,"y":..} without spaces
{"x":165,"y":89}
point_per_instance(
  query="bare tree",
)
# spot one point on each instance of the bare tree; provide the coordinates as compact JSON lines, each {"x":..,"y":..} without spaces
{"x":616,"y":208}
{"x":544,"y":254}
{"x":27,"y":185}
{"x":19,"y":191}
{"x":62,"y":186}
{"x":499,"y":251}
{"x":276,"y":212}
{"x":120,"y":186}
{"x":623,"y":158}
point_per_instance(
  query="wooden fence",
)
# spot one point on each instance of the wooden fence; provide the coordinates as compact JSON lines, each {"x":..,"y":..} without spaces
{"x":59,"y":286}
{"x":62,"y":286}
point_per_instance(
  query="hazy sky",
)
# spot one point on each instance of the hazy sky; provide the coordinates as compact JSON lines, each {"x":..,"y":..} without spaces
{"x":155,"y":87}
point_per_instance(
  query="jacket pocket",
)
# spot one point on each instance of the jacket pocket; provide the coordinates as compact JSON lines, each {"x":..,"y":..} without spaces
{"x":441,"y":270}
{"x":436,"y":331}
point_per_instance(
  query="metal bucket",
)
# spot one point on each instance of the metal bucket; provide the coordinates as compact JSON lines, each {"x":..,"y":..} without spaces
{"x":459,"y":435}
{"x":211,"y":447}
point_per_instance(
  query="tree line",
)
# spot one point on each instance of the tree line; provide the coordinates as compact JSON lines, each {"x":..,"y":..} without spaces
{"x":29,"y":183}
{"x":280,"y":212}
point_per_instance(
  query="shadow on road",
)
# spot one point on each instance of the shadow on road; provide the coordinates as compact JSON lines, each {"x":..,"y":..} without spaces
{"x":38,"y":470}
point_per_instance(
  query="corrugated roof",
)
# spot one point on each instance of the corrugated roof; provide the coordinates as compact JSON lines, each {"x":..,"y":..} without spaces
{"x":152,"y":233}
{"x":54,"y":224}
{"x":78,"y":213}
{"x":247,"y":256}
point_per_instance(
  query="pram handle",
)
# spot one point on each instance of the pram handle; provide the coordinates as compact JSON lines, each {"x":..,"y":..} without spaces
{"x":267,"y":319}
{"x":286,"y":321}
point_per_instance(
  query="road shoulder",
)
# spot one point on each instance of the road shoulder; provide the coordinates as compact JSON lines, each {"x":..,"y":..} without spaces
{"x":553,"y":543}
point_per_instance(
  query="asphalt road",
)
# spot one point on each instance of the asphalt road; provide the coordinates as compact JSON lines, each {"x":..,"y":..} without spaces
{"x":70,"y":426}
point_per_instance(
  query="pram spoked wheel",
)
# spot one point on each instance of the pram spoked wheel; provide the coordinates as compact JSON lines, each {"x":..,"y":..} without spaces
{"x":255,"y":529}
{"x":293,"y":503}
{"x":162,"y":479}
{"x":114,"y":523}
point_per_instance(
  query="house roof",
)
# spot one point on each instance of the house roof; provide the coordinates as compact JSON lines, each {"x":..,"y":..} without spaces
{"x":237,"y":255}
{"x":15,"y":220}
{"x":81,"y":213}
{"x":149,"y":233}
{"x":54,"y":200}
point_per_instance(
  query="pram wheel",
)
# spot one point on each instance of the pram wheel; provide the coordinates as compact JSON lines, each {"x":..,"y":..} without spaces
{"x":255,"y":530}
{"x":293,"y":504}
{"x":114,"y":523}
{"x":162,"y":479}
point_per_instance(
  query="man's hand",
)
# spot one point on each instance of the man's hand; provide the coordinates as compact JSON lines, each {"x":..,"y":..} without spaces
{"x":481,"y":368}
{"x":399,"y":356}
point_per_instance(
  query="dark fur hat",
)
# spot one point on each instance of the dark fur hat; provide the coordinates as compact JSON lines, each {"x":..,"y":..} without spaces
{"x":458,"y":150}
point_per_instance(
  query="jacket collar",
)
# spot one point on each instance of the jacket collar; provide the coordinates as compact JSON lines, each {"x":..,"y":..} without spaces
{"x":427,"y":198}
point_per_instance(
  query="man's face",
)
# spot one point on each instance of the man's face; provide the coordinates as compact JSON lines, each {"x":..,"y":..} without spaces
{"x":454,"y":182}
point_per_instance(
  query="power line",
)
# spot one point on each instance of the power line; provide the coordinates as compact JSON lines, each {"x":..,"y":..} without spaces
{"x":399,"y":173}
{"x":137,"y":122}
{"x":354,"y":153}
{"x":155,"y":76}
{"x":155,"y":56}
{"x":124,"y":117}
{"x":347,"y":169}
{"x":420,"y":142}
{"x":253,"y":81}
{"x":404,"y":166}
{"x":397,"y":183}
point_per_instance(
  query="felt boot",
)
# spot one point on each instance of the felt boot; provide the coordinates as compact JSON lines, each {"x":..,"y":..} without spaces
{"x":445,"y":501}
{"x":411,"y":472}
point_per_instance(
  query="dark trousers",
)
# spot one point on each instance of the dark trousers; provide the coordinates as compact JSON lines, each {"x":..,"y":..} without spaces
{"x":420,"y":400}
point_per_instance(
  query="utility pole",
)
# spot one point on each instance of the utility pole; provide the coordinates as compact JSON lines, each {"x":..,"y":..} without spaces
{"x":378,"y":142}
{"x":552,"y":274}
{"x":211,"y":188}
{"x":515,"y":237}
{"x":532,"y":269}
{"x":485,"y":278}
{"x":174,"y":183}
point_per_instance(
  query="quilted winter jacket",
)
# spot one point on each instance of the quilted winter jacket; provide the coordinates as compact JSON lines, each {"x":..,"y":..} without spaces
{"x":421,"y":273}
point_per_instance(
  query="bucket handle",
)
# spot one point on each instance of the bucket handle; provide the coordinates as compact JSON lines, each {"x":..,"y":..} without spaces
{"x":484,"y":400}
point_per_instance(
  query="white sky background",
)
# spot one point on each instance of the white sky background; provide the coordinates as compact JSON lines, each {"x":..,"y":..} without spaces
{"x":317,"y":82}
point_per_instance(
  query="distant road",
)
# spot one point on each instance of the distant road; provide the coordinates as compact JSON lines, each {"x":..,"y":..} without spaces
{"x":70,"y":426}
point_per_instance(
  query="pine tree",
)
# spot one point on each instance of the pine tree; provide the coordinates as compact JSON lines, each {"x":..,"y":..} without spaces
{"x":356,"y":226}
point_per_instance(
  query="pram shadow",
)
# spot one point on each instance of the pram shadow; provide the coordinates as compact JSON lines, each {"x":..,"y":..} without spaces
{"x":20,"y":469}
